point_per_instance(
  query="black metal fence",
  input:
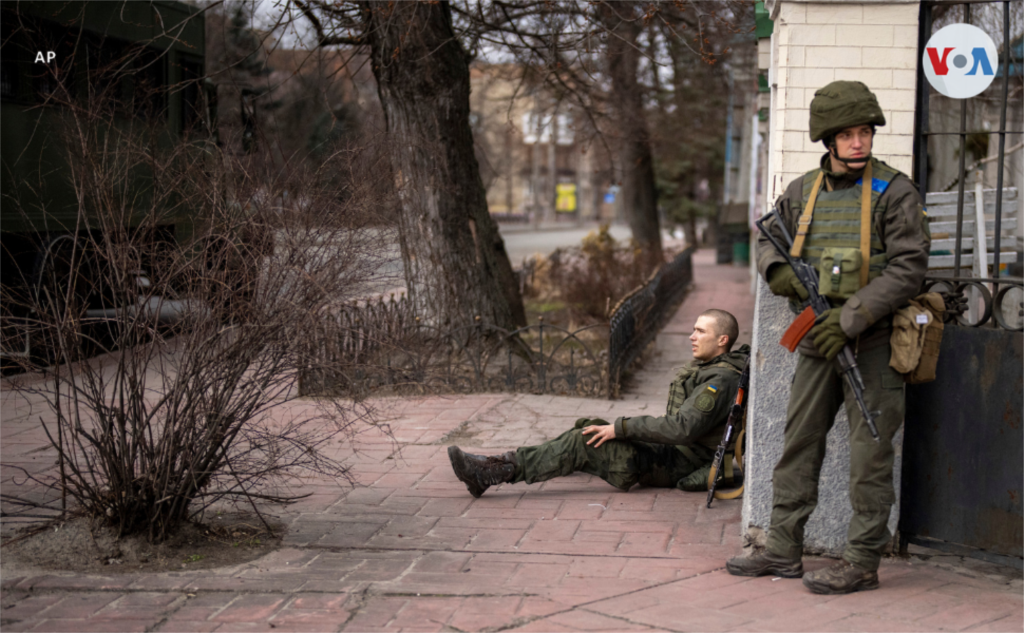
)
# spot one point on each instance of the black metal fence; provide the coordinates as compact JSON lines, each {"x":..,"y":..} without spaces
{"x":970,"y":302}
{"x":962,"y":467}
{"x":381,"y":346}
{"x":640,"y":315}
{"x":985,"y":236}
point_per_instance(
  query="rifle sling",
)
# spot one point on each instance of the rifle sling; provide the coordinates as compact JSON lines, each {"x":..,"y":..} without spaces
{"x":803,"y":225}
{"x":727,"y":466}
{"x":865,"y":225}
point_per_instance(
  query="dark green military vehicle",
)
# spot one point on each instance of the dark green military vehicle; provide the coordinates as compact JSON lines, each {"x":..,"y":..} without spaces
{"x":76,"y":77}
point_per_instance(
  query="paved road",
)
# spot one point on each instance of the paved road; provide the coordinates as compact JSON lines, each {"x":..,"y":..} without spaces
{"x":410,"y":549}
{"x":520,"y":243}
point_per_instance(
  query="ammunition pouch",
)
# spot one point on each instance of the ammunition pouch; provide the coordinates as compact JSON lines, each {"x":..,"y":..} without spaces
{"x":917,"y":337}
{"x":839,"y":272}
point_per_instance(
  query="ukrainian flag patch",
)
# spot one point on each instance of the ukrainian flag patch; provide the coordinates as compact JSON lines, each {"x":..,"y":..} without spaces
{"x":705,"y":402}
{"x":877,"y":185}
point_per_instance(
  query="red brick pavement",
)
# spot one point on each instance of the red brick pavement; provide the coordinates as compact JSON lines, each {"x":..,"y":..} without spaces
{"x":410,"y":550}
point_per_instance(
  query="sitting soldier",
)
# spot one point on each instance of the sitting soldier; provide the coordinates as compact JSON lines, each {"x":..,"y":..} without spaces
{"x":675,"y":450}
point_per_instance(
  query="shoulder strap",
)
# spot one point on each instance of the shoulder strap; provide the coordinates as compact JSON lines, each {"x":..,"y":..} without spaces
{"x":804,"y":223}
{"x":865,"y":225}
{"x":726,"y":365}
{"x":883,"y":176}
{"x":684,"y":372}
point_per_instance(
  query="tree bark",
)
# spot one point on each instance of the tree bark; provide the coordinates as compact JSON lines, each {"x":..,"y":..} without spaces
{"x":638,"y":185}
{"x":456,"y":266}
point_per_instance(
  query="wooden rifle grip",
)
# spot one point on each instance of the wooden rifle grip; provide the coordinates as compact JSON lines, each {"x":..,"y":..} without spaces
{"x":798,"y":329}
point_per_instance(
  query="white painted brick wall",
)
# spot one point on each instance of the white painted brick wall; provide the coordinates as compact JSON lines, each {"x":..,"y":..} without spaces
{"x":796,"y":56}
{"x":834,"y":56}
{"x":864,"y":35}
{"x":905,"y":36}
{"x":902,"y":120}
{"x":833,"y":13}
{"x":815,"y":43}
{"x":904,"y":14}
{"x":820,"y":35}
{"x":876,"y":78}
{"x":812,"y":78}
{"x":904,"y":78}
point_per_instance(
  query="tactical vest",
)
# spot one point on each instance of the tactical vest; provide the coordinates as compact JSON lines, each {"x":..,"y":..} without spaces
{"x":678,"y":391}
{"x":836,"y":219}
{"x":682,"y":385}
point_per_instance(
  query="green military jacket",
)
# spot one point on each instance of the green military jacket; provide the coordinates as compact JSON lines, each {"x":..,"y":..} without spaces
{"x":899,"y":223}
{"x":698,"y":406}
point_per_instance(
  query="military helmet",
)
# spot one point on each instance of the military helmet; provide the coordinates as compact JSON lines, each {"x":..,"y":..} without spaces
{"x":843,"y":104}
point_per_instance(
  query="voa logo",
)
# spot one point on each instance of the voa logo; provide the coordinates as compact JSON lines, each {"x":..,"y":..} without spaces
{"x":960,"y":61}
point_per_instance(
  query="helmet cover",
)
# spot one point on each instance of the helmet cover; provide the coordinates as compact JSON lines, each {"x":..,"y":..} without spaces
{"x":843,"y":104}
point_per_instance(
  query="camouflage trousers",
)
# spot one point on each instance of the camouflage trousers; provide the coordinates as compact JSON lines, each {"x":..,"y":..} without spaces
{"x":818,"y":392}
{"x":622,"y":463}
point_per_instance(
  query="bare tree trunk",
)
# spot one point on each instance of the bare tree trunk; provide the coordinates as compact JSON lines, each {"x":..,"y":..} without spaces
{"x":455,"y":262}
{"x":537,"y":210}
{"x":638,"y":188}
{"x":552,"y":184}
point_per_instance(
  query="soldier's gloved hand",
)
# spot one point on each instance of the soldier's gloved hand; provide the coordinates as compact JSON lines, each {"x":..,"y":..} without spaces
{"x":783,"y":282}
{"x":828,"y":335}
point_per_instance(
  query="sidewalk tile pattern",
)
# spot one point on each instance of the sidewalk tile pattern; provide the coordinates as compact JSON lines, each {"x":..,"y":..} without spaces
{"x":408,"y":549}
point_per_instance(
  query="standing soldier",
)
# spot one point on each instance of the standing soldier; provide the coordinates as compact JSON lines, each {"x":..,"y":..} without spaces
{"x":862,"y":225}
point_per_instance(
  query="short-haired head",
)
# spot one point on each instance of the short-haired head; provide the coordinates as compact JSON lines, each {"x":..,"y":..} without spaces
{"x":725,"y":323}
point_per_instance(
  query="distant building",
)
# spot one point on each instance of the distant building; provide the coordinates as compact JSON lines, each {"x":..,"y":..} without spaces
{"x":538,"y":158}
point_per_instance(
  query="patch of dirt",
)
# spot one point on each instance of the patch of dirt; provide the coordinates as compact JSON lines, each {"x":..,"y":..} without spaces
{"x":82,"y":544}
{"x":462,"y":435}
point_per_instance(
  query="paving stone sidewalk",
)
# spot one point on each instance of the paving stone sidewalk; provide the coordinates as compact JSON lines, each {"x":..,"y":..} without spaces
{"x":410,"y":549}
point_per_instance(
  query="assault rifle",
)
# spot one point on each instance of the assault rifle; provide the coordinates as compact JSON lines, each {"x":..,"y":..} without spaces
{"x":735,"y":418}
{"x":817,"y":305}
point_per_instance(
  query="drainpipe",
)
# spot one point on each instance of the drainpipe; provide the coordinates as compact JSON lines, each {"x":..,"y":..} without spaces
{"x":726,"y":182}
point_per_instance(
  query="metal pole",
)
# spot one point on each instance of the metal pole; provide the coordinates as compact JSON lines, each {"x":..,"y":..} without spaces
{"x":535,"y":163}
{"x":551,"y":195}
{"x":960,"y":188}
{"x":727,"y":179}
{"x":924,"y":99}
{"x":1002,"y":144}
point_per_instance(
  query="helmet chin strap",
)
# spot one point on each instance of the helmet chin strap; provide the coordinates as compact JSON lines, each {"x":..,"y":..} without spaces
{"x":834,"y":153}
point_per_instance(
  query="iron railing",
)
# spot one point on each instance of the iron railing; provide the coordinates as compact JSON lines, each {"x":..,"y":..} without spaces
{"x":640,"y":315}
{"x":382,"y":347}
{"x":966,"y":421}
{"x":976,"y":299}
{"x":355,"y":355}
{"x":970,"y":302}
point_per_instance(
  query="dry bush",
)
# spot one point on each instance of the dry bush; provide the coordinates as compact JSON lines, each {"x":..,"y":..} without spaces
{"x":170,"y":356}
{"x":589,"y":279}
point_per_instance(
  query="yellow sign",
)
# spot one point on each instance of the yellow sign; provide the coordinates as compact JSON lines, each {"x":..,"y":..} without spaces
{"x":566,"y":198}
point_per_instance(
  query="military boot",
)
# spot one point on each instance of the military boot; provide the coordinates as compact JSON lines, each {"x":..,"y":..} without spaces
{"x":697,"y":481}
{"x":479,"y":472}
{"x":842,"y":577}
{"x":765,"y":564}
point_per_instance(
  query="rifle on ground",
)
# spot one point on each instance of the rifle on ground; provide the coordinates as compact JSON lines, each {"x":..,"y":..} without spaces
{"x":817,"y":305}
{"x":734,"y":421}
